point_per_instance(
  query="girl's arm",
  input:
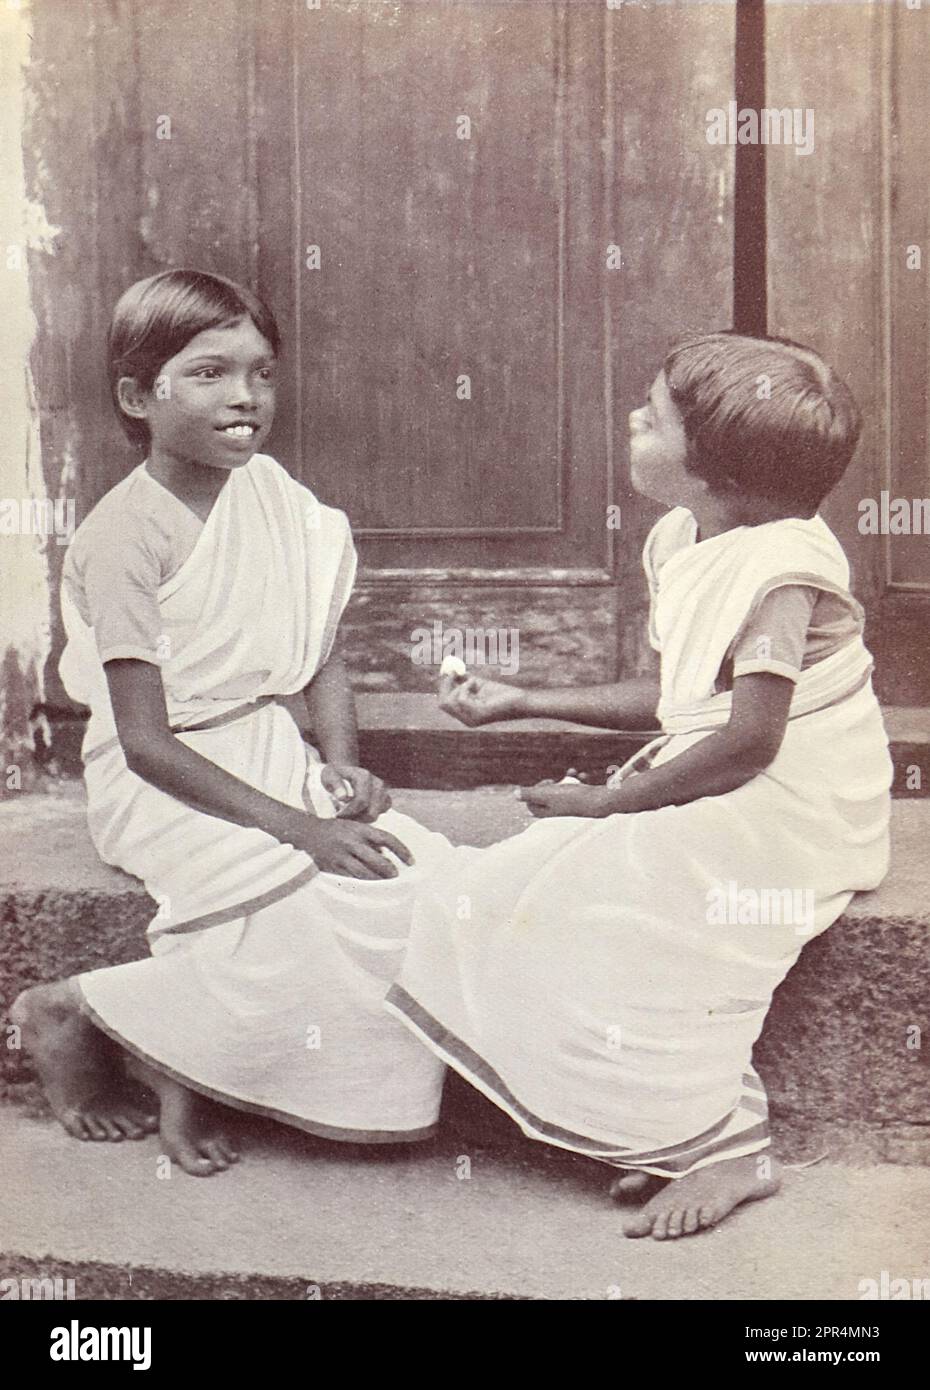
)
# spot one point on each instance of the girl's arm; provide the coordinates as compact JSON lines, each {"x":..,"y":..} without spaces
{"x":724,"y":760}
{"x":718,"y":764}
{"x":153,"y":753}
{"x":331,"y":707}
{"x":629,"y":704}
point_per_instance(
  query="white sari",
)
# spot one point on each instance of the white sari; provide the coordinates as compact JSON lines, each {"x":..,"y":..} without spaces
{"x":593,"y":977}
{"x":266,"y":980}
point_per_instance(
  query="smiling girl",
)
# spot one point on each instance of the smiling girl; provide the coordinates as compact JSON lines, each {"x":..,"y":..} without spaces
{"x":593,"y":988}
{"x":201,"y":589}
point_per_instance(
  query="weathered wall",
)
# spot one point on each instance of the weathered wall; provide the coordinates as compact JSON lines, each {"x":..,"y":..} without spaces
{"x":24,"y":557}
{"x":98,"y":83}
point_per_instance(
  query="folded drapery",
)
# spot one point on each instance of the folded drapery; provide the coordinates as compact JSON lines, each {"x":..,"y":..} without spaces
{"x":267,"y":977}
{"x":583,"y":974}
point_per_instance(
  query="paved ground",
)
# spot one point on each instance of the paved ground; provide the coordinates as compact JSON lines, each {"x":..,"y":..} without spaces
{"x":522,"y":1225}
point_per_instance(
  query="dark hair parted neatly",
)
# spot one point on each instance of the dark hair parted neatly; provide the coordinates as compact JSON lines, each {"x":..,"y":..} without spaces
{"x":157,"y":317}
{"x":763,"y":416}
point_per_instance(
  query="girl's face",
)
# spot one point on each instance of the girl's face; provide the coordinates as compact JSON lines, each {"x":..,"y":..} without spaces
{"x":658,"y":449}
{"x":213,"y":402}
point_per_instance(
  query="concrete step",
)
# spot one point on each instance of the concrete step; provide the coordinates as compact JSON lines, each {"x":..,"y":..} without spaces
{"x":847,"y":1038}
{"x":408,"y":740}
{"x":299,"y":1219}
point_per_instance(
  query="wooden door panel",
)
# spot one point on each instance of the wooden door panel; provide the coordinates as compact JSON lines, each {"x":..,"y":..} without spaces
{"x":440,"y":258}
{"x":838,"y":278}
{"x":908,"y":556}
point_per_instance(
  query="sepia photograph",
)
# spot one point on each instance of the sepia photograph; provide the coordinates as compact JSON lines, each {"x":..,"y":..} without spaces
{"x":465,"y":663}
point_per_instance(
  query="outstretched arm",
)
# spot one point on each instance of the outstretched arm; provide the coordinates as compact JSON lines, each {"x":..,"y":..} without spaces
{"x":629,"y":704}
{"x":718,"y":764}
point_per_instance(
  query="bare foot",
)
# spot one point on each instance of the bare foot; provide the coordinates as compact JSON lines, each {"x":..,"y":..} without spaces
{"x":78,"y":1066}
{"x":702,"y":1199}
{"x":191,"y":1127}
{"x":634,"y":1188}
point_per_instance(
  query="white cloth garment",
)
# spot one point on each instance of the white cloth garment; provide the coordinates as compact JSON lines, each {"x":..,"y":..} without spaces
{"x":604,"y":980}
{"x":267,"y":977}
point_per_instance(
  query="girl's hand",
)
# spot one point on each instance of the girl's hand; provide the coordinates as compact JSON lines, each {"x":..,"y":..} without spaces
{"x":350,"y":848}
{"x":473,"y":700}
{"x":560,"y":799}
{"x":370,"y":797}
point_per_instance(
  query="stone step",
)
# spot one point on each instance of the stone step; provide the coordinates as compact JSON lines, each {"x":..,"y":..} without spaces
{"x":409,"y":741}
{"x":456,"y":1218}
{"x":847,"y":1038}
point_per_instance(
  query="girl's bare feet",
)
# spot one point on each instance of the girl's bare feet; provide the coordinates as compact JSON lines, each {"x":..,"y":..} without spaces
{"x":634,"y":1188}
{"x":191,"y":1127}
{"x":694,"y":1203}
{"x":78,"y":1066}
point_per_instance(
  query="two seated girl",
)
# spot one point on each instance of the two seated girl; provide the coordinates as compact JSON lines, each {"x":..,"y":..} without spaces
{"x":587,"y":991}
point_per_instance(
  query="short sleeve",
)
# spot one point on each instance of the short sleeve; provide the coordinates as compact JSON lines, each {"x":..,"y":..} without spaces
{"x":775,"y":637}
{"x":121,"y":582}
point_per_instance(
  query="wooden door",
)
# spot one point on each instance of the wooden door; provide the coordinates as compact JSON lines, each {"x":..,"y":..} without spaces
{"x":492,"y":218}
{"x":516,"y":192}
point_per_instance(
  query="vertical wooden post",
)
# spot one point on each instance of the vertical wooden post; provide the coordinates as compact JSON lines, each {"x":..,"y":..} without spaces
{"x":750,"y":299}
